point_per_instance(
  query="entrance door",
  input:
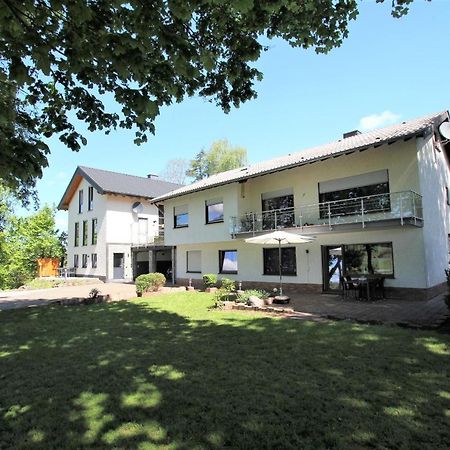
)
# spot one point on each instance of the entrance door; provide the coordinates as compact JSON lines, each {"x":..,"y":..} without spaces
{"x":118,"y":266}
{"x":332,"y":268}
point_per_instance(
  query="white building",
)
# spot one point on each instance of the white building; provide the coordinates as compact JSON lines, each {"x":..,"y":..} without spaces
{"x":114,"y":232}
{"x":376,"y":202}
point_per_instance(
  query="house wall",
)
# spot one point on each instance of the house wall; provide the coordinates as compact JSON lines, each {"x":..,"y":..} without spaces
{"x":399,"y":159}
{"x":419,"y":258}
{"x":434,"y":178}
{"x":407,"y":246}
{"x":117,"y":230}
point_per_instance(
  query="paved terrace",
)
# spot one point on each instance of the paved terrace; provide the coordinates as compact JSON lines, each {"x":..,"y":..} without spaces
{"x":411,"y":313}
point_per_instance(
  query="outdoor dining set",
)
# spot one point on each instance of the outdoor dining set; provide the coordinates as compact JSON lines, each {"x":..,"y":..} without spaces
{"x":368,"y":287}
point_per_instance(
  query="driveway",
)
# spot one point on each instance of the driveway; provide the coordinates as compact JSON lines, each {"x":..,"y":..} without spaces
{"x":27,"y":298}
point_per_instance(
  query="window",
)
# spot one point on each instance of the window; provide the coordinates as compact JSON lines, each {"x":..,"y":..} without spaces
{"x":374,"y":259}
{"x":278,"y":209}
{"x":94,"y":260}
{"x":214,"y":211}
{"x":288,"y":261}
{"x":77,"y":234}
{"x":84,"y":261}
{"x":181,"y":216}
{"x":85,"y":232}
{"x":194,"y":261}
{"x":447,"y":195}
{"x":228,"y":261}
{"x":346,"y":192}
{"x":80,"y":201}
{"x":94,"y":231}
{"x":75,"y":261}
{"x":90,"y":198}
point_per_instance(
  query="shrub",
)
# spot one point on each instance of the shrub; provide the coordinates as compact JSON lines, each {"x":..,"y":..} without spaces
{"x":150,"y":282}
{"x":227,"y":284}
{"x":243,"y":298}
{"x":209,"y":280}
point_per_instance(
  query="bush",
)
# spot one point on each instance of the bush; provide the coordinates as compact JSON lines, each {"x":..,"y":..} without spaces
{"x":243,"y":298}
{"x":209,"y":280}
{"x":150,"y":282}
{"x":227,"y":284}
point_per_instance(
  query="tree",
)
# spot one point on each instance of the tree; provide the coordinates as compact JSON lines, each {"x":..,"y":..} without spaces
{"x":22,"y":241}
{"x":60,"y":58}
{"x":175,"y":171}
{"x":220,"y":157}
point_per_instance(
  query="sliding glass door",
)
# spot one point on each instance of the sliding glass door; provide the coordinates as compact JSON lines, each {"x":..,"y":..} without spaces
{"x":332,"y":268}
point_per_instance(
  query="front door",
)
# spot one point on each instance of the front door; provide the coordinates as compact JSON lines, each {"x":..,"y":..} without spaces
{"x":332,"y":263}
{"x":118,"y":266}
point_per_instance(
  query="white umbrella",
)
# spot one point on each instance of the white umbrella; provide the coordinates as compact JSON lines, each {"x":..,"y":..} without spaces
{"x":280,"y":238}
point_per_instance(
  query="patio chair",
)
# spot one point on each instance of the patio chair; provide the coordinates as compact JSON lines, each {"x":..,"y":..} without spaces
{"x":350,"y":289}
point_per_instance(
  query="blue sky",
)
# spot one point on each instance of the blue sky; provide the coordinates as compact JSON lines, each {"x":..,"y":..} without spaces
{"x":387,"y":70}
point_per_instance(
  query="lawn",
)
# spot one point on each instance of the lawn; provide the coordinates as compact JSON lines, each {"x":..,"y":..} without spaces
{"x":167,"y":373}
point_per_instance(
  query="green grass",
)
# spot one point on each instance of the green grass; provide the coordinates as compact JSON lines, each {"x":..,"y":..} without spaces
{"x":167,"y":373}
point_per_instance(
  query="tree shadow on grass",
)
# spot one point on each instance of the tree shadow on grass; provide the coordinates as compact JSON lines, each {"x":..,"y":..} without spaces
{"x":129,"y":375}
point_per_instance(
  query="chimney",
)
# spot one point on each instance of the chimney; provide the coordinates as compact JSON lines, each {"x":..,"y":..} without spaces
{"x":152,"y":175}
{"x":351,"y":134}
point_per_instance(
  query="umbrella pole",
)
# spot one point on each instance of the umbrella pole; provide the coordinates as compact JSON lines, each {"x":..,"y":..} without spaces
{"x":280,"y":267}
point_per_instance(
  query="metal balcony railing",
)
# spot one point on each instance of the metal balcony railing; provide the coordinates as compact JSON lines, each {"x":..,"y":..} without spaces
{"x":402,"y":206}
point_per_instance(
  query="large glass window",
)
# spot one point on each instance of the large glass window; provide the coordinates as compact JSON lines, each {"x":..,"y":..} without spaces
{"x":181,"y":216}
{"x":278,"y":209}
{"x":94,"y":260}
{"x":369,"y":259}
{"x":77,"y":234}
{"x":84,"y":261}
{"x":94,"y":231}
{"x":288,"y":261}
{"x":75,"y":261}
{"x":228,"y":262}
{"x":345,"y":195}
{"x":80,"y":201}
{"x":85,"y":232}
{"x":214,"y":211}
{"x":194,"y":261}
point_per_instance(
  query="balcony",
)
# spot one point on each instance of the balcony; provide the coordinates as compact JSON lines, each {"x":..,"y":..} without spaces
{"x":373,"y":211}
{"x":144,"y":240}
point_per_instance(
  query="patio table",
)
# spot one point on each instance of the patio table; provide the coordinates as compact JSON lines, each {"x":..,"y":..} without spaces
{"x":369,"y":284}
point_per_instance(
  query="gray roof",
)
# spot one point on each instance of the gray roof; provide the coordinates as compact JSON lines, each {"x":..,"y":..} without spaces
{"x":375,"y":138}
{"x":106,"y":182}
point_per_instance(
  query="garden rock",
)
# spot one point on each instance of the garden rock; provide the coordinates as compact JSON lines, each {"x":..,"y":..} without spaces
{"x":255,"y":301}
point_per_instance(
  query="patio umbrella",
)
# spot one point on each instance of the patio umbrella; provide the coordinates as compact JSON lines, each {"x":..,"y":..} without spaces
{"x":279,"y":238}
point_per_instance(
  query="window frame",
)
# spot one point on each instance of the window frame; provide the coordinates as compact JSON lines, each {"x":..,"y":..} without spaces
{"x":222,"y":258}
{"x":207,"y":205}
{"x":90,"y":198}
{"x":94,"y":260}
{"x":76,"y":261}
{"x":175,"y":217}
{"x":94,"y":232}
{"x":187,"y":261}
{"x":84,"y":261}
{"x":266,"y":250}
{"x":80,"y":201}
{"x":76,"y":242}
{"x":85,"y":233}
{"x":356,"y":274}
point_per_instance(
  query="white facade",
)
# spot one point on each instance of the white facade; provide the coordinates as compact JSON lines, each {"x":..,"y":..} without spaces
{"x":118,"y":230}
{"x":420,"y":253}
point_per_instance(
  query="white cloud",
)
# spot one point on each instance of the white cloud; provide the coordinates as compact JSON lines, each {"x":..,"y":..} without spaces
{"x":378,"y":120}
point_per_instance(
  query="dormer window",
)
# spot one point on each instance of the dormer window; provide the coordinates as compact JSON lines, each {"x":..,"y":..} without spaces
{"x":90,"y":198}
{"x":80,"y":201}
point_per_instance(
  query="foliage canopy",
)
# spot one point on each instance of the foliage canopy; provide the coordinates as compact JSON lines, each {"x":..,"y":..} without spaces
{"x":60,"y":58}
{"x":220,"y":157}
